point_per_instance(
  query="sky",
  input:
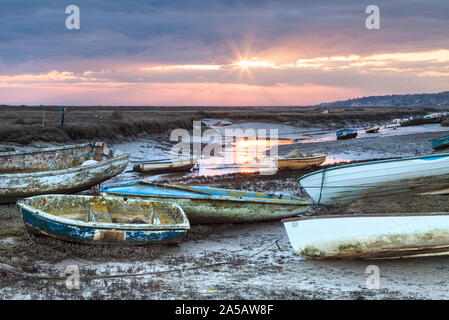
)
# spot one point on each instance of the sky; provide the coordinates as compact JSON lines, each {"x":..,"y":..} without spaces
{"x":219,"y":52}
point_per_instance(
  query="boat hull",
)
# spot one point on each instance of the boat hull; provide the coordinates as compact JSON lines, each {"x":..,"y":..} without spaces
{"x":300,"y":163}
{"x":377,"y":178}
{"x":346,"y":134}
{"x":372,"y":129}
{"x":40,"y":223}
{"x":369,"y":236}
{"x":203,"y":209}
{"x":440,"y":143}
{"x":20,"y":185}
{"x":163,"y":167}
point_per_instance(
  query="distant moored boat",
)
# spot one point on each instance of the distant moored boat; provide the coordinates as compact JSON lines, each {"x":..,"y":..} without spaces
{"x":346,"y":134}
{"x":164,"y":165}
{"x":372,"y":129}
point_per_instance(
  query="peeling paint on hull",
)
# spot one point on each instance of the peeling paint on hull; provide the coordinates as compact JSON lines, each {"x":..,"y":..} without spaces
{"x":207,"y":207}
{"x":62,"y":174}
{"x":369,"y":236}
{"x":38,"y":222}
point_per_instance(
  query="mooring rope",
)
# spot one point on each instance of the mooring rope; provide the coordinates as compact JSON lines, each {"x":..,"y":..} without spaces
{"x":52,"y":278}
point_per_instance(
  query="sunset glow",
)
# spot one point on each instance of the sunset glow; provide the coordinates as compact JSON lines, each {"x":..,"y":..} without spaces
{"x":282,"y":57}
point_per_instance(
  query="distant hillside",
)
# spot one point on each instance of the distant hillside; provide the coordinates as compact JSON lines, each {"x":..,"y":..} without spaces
{"x":396,"y":100}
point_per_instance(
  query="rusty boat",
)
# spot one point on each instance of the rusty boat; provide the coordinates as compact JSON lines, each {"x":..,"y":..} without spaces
{"x":96,"y":220}
{"x":63,"y":169}
{"x":376,"y":236}
{"x":214,"y":205}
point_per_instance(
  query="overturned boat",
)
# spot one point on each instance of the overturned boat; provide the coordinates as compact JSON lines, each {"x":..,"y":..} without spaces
{"x":301,"y":162}
{"x":164,"y":165}
{"x":95,"y":220}
{"x":377,"y":178}
{"x":214,"y":205}
{"x":377,"y":236}
{"x":64,"y":169}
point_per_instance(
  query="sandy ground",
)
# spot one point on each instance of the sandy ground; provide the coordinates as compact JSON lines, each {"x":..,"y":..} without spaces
{"x":230,"y":261}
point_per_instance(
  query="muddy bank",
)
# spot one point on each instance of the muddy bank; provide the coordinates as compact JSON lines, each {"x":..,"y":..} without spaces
{"x":376,"y":146}
{"x":24,"y":125}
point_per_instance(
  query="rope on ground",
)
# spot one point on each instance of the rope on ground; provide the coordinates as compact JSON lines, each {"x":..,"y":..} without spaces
{"x":28,"y":275}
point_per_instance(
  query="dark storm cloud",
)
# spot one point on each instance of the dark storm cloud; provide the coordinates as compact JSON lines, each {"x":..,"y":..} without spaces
{"x":183,"y":31}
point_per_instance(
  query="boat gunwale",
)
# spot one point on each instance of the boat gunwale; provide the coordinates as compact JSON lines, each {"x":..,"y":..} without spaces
{"x":359,"y":215}
{"x":65,"y":147}
{"x":54,"y":172}
{"x":185,"y":225}
{"x":438,"y":155}
{"x":209,"y":197}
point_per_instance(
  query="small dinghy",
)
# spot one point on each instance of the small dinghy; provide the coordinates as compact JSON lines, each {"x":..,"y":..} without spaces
{"x":63,"y":169}
{"x":369,"y":236}
{"x":214,"y":205}
{"x":440,"y":143}
{"x":297,"y":161}
{"x":346,"y":134}
{"x":372,"y":129}
{"x":96,"y":220}
{"x":164,"y":165}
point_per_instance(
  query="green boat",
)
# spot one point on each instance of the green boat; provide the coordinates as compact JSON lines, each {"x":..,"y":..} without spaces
{"x":214,"y":205}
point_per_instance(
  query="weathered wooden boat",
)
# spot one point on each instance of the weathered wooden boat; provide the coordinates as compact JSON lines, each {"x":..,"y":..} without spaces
{"x":64,"y":169}
{"x":96,"y":220}
{"x":372,"y":129}
{"x":369,"y":236}
{"x":301,"y":162}
{"x":377,"y":178}
{"x":214,"y":205}
{"x":440,"y":143}
{"x":346,"y":134}
{"x":164,"y":165}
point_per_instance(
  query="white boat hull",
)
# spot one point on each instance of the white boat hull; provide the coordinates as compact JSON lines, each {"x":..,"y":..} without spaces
{"x":377,"y":178}
{"x":372,"y":237}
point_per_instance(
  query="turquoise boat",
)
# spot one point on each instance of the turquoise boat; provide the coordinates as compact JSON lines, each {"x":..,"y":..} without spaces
{"x":215,"y":205}
{"x":96,"y":220}
{"x":440,"y":143}
{"x":346,"y":134}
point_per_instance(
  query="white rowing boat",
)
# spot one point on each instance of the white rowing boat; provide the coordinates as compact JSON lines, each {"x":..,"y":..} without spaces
{"x":377,"y":178}
{"x":369,"y":236}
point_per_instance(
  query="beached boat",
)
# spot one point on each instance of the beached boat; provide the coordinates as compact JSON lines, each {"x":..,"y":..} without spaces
{"x":64,"y":169}
{"x":346,"y":134}
{"x":369,"y":236}
{"x":298,"y":163}
{"x":96,"y":220}
{"x":164,"y":165}
{"x":372,"y":129}
{"x":440,"y":143}
{"x":420,"y":121}
{"x":214,"y":205}
{"x":377,"y":178}
{"x":395,"y":123}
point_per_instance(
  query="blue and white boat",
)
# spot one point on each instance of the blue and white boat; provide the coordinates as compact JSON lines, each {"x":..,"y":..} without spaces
{"x":440,"y":143}
{"x":96,"y":220}
{"x":215,"y":205}
{"x":346,"y":134}
{"x":377,"y":178}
